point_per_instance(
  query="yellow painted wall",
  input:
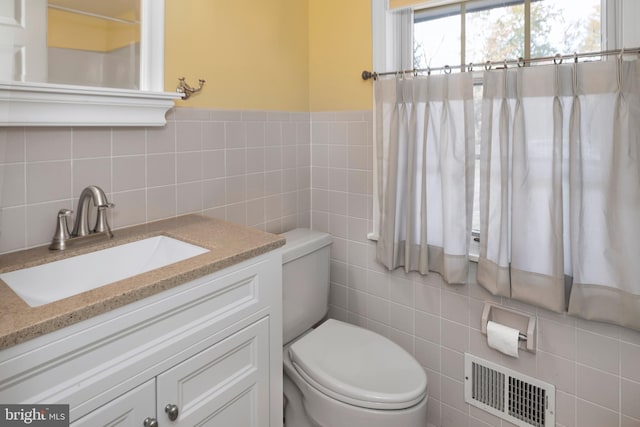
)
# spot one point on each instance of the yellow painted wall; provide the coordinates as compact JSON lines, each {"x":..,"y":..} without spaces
{"x":287,"y":55}
{"x":254,"y":54}
{"x":283,"y":55}
{"x":339,"y":49}
{"x":98,"y":35}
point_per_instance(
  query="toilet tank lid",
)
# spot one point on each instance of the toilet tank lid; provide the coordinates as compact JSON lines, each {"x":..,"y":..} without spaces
{"x":302,"y":241}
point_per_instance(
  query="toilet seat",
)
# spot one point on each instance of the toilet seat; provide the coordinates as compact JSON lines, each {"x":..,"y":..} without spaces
{"x":358,"y":367}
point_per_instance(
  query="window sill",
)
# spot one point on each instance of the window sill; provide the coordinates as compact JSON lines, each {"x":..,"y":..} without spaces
{"x":40,"y":104}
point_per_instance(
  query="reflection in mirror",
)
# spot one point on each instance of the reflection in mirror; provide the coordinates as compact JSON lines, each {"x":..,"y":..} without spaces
{"x":94,"y":43}
{"x":23,"y":33}
{"x":76,"y":42}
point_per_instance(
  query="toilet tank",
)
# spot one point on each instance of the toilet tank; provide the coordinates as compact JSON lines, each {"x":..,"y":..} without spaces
{"x":305,"y":280}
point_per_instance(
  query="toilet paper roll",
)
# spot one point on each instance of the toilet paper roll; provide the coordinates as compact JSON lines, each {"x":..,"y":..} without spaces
{"x":503,"y":338}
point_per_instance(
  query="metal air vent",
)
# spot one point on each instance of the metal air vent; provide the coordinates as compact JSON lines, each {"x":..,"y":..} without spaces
{"x":510,"y":395}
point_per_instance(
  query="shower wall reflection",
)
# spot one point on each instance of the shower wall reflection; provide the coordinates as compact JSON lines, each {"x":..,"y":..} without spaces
{"x":94,"y":43}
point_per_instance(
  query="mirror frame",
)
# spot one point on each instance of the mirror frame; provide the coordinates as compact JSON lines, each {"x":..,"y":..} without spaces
{"x":46,"y":104}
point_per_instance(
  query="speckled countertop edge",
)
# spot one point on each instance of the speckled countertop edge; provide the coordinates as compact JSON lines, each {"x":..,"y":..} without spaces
{"x":228,"y":244}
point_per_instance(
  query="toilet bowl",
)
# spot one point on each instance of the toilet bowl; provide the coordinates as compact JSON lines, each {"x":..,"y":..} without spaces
{"x":337,"y":374}
{"x":348,"y":376}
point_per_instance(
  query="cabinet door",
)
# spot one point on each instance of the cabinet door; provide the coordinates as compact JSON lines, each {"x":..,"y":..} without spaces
{"x":225,"y":385}
{"x":128,"y":410}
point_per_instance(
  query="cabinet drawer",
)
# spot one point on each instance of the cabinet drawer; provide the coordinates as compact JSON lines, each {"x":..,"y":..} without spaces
{"x":224,"y":385}
{"x":128,"y":410}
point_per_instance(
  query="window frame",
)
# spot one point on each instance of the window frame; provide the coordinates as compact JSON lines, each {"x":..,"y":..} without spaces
{"x":392,"y":33}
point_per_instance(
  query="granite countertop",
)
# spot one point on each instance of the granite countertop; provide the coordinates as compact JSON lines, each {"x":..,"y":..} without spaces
{"x":228,"y":244}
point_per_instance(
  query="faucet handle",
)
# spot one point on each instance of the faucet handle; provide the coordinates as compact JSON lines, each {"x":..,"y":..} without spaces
{"x":62,"y":226}
{"x":102,"y":225}
{"x":61,"y":235}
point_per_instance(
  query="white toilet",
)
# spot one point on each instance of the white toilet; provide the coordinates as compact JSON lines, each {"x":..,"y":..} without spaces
{"x":337,"y":374}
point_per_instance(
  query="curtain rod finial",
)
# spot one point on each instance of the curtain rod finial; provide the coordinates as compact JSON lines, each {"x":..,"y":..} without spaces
{"x":366,"y":75}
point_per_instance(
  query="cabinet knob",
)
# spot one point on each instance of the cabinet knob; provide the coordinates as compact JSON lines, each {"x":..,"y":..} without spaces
{"x":150,"y":422}
{"x":172,"y":411}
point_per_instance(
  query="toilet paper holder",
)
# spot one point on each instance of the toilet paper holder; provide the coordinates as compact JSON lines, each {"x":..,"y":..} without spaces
{"x":525,"y":323}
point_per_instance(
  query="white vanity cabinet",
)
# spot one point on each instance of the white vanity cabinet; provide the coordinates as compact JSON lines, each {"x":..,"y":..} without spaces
{"x":227,"y":385}
{"x":210,"y":349}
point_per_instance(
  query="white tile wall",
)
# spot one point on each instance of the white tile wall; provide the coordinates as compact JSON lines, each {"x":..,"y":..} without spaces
{"x":249,"y":167}
{"x":594,"y":366}
{"x":267,"y":170}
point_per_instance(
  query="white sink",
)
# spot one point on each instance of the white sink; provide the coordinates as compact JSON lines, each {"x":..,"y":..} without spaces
{"x":61,"y":279}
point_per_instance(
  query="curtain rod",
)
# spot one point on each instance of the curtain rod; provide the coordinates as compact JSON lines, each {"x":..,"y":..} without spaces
{"x":520,"y":62}
{"x":92,"y":15}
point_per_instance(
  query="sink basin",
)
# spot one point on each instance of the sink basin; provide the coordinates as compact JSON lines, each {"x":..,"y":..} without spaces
{"x":61,"y":279}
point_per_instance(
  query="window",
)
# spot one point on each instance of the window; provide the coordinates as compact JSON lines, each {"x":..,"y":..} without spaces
{"x":482,"y":30}
{"x":477,"y":31}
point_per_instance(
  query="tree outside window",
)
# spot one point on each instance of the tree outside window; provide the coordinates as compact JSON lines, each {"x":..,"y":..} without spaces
{"x":496,"y":30}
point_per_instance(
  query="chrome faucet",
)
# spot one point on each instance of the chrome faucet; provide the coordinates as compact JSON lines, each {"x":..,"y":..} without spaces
{"x":62,"y":237}
{"x":81,"y":225}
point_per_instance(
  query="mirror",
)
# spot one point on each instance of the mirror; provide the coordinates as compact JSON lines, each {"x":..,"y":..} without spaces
{"x":82,"y":63}
{"x":75,"y":42}
{"x":94,"y":43}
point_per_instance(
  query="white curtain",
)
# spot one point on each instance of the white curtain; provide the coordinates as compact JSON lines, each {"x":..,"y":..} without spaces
{"x":560,"y":188}
{"x":424,"y":167}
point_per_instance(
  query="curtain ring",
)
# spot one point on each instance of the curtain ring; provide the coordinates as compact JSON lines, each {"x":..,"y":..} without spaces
{"x":415,"y":72}
{"x":575,"y":57}
{"x":428,"y":71}
{"x":557,"y":59}
{"x":575,"y":80}
{"x":487,"y":65}
{"x":506,"y":65}
{"x":557,"y":82}
{"x":521,"y":62}
{"x":470,"y":67}
{"x":447,"y":69}
{"x":620,"y":70}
